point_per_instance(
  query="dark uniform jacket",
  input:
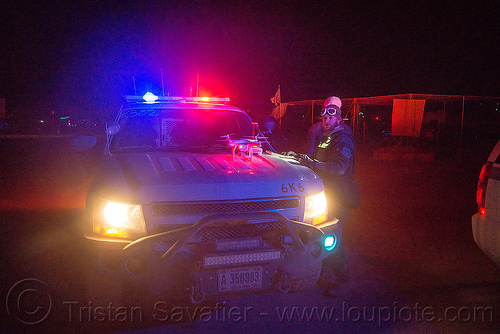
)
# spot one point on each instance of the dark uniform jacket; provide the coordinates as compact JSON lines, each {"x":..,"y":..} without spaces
{"x":335,"y":156}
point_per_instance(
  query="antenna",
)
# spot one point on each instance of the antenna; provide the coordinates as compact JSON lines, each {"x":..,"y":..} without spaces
{"x":197,"y":85}
{"x":162,"y":86}
{"x":135,"y":90}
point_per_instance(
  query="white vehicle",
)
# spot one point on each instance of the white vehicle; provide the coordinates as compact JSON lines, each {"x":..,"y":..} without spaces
{"x":486,"y":222}
{"x":187,"y":200}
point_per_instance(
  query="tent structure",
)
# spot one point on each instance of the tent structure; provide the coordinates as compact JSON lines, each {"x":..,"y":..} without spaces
{"x":352,"y":106}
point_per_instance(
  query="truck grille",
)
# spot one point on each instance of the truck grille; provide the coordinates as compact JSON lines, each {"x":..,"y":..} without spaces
{"x":204,"y":208}
{"x":239,"y":231}
{"x":215,"y":232}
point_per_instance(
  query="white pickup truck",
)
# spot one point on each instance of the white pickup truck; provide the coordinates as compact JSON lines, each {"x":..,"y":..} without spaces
{"x":189,"y":199}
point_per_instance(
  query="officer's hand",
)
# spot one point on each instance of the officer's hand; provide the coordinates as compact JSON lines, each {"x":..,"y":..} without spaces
{"x":304,"y":159}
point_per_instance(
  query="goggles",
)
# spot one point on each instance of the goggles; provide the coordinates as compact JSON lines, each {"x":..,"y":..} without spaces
{"x":330,"y":111}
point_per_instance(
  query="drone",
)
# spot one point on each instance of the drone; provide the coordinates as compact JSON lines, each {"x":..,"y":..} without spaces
{"x":249,"y":145}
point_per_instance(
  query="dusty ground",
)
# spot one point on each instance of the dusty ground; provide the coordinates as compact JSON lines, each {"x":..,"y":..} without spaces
{"x":410,"y":239}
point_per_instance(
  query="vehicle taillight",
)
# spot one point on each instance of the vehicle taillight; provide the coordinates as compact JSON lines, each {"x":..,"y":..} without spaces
{"x":481,"y":187}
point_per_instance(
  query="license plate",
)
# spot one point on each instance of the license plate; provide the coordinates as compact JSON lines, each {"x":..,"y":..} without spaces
{"x":238,"y":279}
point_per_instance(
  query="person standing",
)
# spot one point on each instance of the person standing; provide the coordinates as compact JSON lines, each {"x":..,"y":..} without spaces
{"x":314,"y":135}
{"x":333,"y":159}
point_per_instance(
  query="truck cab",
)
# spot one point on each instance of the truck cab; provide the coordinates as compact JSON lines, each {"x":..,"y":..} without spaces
{"x":189,"y":198}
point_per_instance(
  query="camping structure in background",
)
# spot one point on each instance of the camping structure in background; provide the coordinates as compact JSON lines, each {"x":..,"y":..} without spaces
{"x":431,"y":121}
{"x":407,"y":117}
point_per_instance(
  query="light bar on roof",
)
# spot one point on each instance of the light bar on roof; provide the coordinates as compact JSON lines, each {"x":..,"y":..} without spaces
{"x":207,"y":99}
{"x":151,"y":98}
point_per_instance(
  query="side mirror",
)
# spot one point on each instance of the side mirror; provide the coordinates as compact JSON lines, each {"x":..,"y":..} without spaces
{"x":83,"y":143}
{"x":255,"y":129}
{"x":112,"y":130}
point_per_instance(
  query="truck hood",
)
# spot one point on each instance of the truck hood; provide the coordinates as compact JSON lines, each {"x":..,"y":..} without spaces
{"x":144,"y":178}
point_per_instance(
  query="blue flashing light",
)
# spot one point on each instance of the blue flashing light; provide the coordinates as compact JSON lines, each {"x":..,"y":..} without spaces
{"x":150,"y":97}
{"x":330,"y":242}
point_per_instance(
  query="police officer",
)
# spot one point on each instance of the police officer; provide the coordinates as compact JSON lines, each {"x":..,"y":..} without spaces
{"x":333,"y":160}
{"x":314,"y":135}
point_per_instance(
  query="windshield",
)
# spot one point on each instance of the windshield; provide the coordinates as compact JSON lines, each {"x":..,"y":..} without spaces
{"x":149,"y":129}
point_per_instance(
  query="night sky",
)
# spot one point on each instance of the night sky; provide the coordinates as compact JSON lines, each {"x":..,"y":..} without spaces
{"x":68,"y":54}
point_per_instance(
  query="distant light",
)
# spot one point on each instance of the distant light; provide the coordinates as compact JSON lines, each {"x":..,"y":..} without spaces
{"x":150,"y":97}
{"x":205,"y":99}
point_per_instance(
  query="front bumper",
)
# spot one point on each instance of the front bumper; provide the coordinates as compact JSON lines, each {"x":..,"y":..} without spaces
{"x":287,"y":260}
{"x":486,"y":234}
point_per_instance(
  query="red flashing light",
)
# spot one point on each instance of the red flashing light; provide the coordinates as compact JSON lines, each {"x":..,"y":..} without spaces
{"x":207,"y":99}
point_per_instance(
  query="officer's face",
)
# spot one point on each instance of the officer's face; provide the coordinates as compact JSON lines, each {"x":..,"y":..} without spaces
{"x":330,"y":122}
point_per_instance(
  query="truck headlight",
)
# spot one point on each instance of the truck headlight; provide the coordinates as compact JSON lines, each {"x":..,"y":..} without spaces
{"x":119,"y":220}
{"x":315,"y":209}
